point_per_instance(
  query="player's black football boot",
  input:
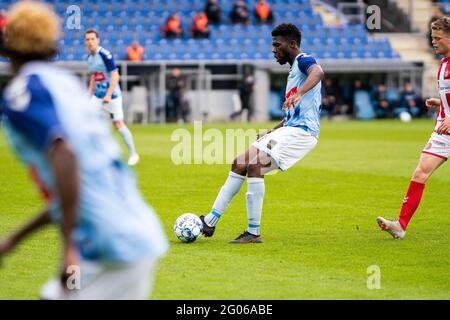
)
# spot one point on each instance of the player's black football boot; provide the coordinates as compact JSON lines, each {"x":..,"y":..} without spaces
{"x":246,"y":237}
{"x":207,"y":230}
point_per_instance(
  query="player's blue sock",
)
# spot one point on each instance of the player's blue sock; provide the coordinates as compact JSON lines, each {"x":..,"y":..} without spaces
{"x":128,"y":139}
{"x":255,"y":197}
{"x":226,"y":194}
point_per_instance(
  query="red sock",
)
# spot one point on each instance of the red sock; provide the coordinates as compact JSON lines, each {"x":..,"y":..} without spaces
{"x":411,"y":202}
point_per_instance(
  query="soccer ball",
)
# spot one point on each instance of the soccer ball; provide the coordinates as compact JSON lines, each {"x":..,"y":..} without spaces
{"x":188,"y":227}
{"x":405,"y":116}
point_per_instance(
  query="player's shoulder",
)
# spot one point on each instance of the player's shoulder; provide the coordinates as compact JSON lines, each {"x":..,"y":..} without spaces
{"x":17,"y":94}
{"x":305,"y":56}
{"x":445,"y":61}
{"x":22,"y":89}
{"x":36,"y":81}
{"x":105,"y":53}
{"x":304,"y":63}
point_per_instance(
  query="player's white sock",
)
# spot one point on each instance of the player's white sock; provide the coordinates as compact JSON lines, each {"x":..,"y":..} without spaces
{"x":128,"y":139}
{"x":226,"y":194}
{"x":255,"y":197}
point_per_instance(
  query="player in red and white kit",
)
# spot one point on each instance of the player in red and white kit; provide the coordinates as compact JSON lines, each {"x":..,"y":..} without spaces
{"x":437,"y":150}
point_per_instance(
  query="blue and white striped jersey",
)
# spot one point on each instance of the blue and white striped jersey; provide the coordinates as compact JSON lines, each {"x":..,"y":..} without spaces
{"x":306,"y":114}
{"x":100,"y":65}
{"x":44,"y":103}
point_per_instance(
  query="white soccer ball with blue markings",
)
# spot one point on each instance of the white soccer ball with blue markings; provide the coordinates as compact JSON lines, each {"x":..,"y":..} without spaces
{"x":188,"y":227}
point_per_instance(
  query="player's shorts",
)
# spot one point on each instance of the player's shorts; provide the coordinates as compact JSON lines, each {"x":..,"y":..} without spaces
{"x":438,"y":146}
{"x":113,"y":108}
{"x":100,"y":281}
{"x":286,"y":145}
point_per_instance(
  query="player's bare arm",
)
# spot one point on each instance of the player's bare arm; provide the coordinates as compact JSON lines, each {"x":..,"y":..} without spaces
{"x":112,"y":86}
{"x":315,"y":75}
{"x":91,"y":86}
{"x":444,"y":127}
{"x":433,"y":103}
{"x":41,"y":220}
{"x":65,"y":170}
{"x":279,"y":125}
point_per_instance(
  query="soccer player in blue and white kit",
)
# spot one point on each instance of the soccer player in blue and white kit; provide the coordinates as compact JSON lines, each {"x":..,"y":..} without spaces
{"x":105,"y":89}
{"x":280,"y":148}
{"x":112,"y":239}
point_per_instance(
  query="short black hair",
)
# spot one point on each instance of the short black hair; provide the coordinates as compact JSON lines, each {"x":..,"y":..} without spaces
{"x":288,"y":31}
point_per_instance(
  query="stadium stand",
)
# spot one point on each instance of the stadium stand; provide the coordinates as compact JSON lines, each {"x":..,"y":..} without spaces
{"x":215,"y":66}
{"x":121,"y":22}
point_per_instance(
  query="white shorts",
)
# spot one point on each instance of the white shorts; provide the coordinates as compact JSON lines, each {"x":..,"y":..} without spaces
{"x":286,"y":145}
{"x":438,"y":146}
{"x":114,"y":108}
{"x":105,"y":282}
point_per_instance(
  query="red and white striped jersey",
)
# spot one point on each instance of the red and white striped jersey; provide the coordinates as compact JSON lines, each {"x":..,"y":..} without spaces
{"x":444,"y":91}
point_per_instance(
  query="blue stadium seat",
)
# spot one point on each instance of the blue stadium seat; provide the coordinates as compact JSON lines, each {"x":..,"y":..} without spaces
{"x":393,"y":95}
{"x":119,"y":21}
{"x":363,"y":105}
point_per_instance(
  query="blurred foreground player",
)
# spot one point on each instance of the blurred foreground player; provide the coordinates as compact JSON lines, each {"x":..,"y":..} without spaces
{"x":105,"y":90}
{"x":110,"y":235}
{"x":283,"y":146}
{"x":437,"y":149}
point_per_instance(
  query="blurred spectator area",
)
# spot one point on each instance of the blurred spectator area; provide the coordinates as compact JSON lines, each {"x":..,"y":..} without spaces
{"x":215,"y":67}
{"x":363,"y":96}
{"x":120,"y":22}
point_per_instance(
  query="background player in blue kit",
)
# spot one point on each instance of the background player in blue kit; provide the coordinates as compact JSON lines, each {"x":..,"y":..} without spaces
{"x":107,"y":229}
{"x":280,"y":148}
{"x":105,"y":89}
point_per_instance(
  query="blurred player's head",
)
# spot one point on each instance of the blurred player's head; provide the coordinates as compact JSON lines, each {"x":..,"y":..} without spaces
{"x":286,"y":39}
{"x":176,"y":72}
{"x":440,"y":34}
{"x":31,"y":33}
{"x":91,"y":40}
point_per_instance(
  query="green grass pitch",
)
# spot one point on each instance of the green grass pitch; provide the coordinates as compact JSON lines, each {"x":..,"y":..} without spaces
{"x":318,"y":223}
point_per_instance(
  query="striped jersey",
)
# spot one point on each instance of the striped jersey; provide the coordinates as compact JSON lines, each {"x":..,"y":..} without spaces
{"x":306,"y":114}
{"x":444,"y":91}
{"x":100,"y":65}
{"x":114,"y":224}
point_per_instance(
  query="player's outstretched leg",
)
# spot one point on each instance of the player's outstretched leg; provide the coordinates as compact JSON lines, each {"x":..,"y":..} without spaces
{"x":231,"y":187}
{"x":128,"y":139}
{"x":226,"y":194}
{"x":397,"y":228}
{"x":256,"y":169}
{"x":427,"y":165}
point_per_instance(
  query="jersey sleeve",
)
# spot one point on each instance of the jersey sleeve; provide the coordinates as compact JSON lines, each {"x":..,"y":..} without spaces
{"x":305,"y":63}
{"x":108,"y":59}
{"x":31,"y":110}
